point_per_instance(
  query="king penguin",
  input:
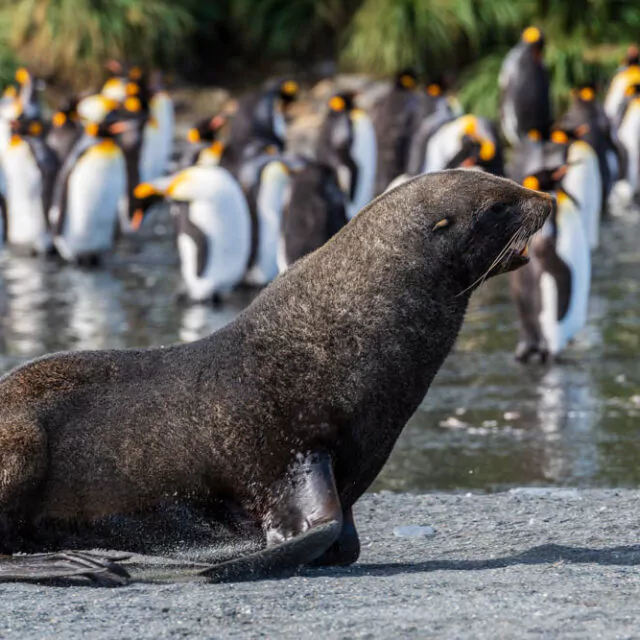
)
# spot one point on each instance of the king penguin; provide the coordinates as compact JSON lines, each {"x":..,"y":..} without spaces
{"x":587,"y":113}
{"x":525,"y":100}
{"x":395,"y":118}
{"x":66,"y":129}
{"x":314,"y":212}
{"x":205,"y":148}
{"x":157,"y":137}
{"x":347,"y":142}
{"x":91,"y":185}
{"x":30,"y":169}
{"x":467,"y":141}
{"x":552,"y":292}
{"x":260,"y":115}
{"x":625,"y":77}
{"x":213,"y":227}
{"x":628,"y":135}
{"x":582,"y":178}
{"x":265,"y":179}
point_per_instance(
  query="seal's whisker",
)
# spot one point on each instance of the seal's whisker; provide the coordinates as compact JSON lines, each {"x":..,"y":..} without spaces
{"x":511,"y":242}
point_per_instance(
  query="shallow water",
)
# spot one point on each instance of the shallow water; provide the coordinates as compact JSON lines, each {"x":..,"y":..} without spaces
{"x":487,"y":422}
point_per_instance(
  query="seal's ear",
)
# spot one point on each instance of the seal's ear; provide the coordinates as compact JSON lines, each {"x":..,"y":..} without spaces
{"x":445,"y":222}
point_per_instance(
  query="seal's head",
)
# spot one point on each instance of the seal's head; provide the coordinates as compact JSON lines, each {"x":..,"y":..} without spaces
{"x":476,"y":225}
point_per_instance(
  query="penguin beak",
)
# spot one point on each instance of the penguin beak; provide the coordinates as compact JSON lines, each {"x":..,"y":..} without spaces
{"x":136,"y":220}
{"x":121,"y":127}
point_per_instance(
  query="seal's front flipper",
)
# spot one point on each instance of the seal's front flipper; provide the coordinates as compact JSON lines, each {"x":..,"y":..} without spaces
{"x":280,"y":559}
{"x":346,"y":549}
{"x":304,"y":519}
{"x":97,"y":567}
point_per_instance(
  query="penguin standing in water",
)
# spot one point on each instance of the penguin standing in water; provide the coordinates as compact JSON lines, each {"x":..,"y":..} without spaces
{"x":66,"y":129}
{"x":91,"y":185}
{"x":628,"y":135}
{"x":395,"y":118}
{"x":587,"y":114}
{"x":260,"y":115}
{"x":213,"y":227}
{"x":467,"y":141}
{"x":30,"y":169}
{"x":265,"y":179}
{"x":626,"y":76}
{"x":552,"y":292}
{"x":525,"y":100}
{"x":347,"y":142}
{"x":582,"y":178}
{"x":127,"y":88}
{"x":157,"y":137}
{"x":205,"y":149}
{"x":314,"y":212}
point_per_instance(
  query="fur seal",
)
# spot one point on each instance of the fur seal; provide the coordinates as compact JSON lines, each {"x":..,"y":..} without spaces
{"x":286,"y":415}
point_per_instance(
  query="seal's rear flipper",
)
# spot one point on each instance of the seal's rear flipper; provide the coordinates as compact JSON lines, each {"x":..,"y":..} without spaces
{"x":279,"y":560}
{"x":100,"y":568}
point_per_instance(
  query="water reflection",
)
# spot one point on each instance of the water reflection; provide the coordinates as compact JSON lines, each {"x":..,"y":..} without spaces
{"x":488,"y":423}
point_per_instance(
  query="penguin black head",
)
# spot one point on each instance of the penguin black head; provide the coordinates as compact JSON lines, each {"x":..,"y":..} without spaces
{"x":545,"y":179}
{"x":206,"y":130}
{"x":288,"y":91}
{"x":68,"y":112}
{"x":534,"y":38}
{"x":437,"y":86}
{"x":632,"y":57}
{"x":406,"y":79}
{"x":145,"y":195}
{"x":567,"y":135}
{"x":342,"y":102}
{"x":31,"y":126}
{"x":632,"y":91}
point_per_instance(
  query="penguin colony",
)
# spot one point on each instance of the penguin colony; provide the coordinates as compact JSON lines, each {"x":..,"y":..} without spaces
{"x":244,"y":207}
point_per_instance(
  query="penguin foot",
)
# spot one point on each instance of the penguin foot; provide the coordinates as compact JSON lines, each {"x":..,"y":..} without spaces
{"x":524,"y":351}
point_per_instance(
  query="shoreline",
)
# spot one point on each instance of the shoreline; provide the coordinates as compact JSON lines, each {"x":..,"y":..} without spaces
{"x":524,"y":563}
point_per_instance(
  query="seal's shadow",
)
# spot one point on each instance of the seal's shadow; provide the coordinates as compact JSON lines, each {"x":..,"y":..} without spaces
{"x":543,"y":554}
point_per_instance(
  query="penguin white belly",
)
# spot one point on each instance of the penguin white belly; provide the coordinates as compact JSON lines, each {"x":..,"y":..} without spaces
{"x":629,"y":136}
{"x":572,"y":247}
{"x":584,"y":183}
{"x":157,"y":138}
{"x":364,"y":152}
{"x":27,"y":224}
{"x":274,"y":182}
{"x":225,"y":223}
{"x":96,"y":185}
{"x":553,"y":330}
{"x":616,"y":93}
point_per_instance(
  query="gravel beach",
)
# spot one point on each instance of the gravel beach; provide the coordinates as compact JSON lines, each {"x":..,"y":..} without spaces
{"x":529,"y":563}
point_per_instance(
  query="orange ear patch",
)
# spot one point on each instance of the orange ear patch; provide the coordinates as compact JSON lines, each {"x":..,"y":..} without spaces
{"x":434,"y":90}
{"x":559,"y":137}
{"x":531,"y":35}
{"x":531,"y":182}
{"x":337,"y":104}
{"x":587,"y":94}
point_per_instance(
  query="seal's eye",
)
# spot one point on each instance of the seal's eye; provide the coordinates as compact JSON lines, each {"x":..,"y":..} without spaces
{"x":445,"y":222}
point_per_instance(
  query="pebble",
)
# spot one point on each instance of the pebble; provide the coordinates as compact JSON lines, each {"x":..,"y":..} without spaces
{"x":414,"y":531}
